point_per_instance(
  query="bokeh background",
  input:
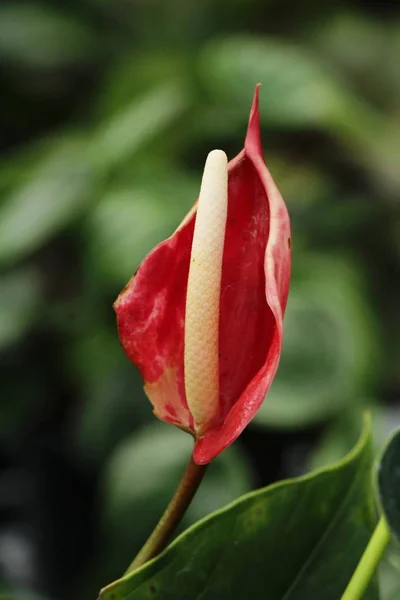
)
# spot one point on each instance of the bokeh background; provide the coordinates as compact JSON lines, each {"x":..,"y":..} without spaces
{"x":108,"y":110}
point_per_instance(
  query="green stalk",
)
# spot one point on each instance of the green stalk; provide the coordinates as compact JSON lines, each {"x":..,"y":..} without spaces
{"x":172,"y":516}
{"x":369,"y":561}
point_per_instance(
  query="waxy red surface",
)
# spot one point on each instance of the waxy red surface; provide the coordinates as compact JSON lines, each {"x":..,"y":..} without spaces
{"x":254,"y":289}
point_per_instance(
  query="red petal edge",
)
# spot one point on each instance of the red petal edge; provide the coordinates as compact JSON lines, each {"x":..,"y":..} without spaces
{"x":277,"y":266}
{"x":150,"y":316}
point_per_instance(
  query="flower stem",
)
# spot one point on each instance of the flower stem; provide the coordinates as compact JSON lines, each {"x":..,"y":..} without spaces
{"x":173,"y":514}
{"x":369,"y":561}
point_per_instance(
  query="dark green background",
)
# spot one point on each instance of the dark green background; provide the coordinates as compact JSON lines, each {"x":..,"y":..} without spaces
{"x":108,"y":109}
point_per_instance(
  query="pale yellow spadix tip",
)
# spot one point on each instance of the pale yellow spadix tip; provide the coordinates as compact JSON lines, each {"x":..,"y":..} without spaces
{"x":203,"y":293}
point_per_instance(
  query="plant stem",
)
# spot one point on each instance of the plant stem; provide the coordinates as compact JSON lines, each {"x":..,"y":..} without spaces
{"x":368,"y":562}
{"x":174,"y":512}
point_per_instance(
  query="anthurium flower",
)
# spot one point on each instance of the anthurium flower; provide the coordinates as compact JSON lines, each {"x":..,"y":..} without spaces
{"x":202,"y":316}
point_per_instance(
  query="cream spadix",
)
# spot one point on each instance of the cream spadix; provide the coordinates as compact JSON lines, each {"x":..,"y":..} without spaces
{"x":201,"y":362}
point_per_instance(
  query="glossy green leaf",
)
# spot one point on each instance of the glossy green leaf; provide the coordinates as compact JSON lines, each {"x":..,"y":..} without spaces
{"x":297,"y":539}
{"x":389,"y":482}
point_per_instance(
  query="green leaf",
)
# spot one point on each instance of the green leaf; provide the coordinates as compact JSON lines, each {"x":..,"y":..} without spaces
{"x":131,"y":219}
{"x":389,"y":483}
{"x":328,"y":348}
{"x":300,"y":90}
{"x":360,"y":46}
{"x":57,"y":192}
{"x":342,"y":432}
{"x":131,"y":490}
{"x":297,"y":91}
{"x":37,"y":36}
{"x":389,"y":573}
{"x":135,"y":75}
{"x":19,"y":594}
{"x":143,"y":118}
{"x":19,"y":302}
{"x":140,"y":478}
{"x":297,"y":539}
{"x":337,"y":440}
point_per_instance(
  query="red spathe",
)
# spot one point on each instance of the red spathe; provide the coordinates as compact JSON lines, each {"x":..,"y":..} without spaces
{"x":254,"y":289}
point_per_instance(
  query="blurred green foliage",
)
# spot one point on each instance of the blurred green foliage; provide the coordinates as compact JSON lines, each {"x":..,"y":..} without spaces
{"x":109,"y":110}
